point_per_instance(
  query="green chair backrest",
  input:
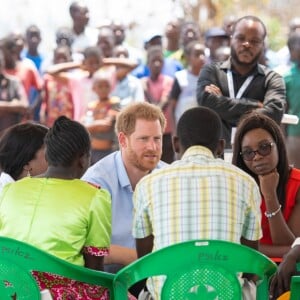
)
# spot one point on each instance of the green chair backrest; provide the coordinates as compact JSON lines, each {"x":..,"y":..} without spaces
{"x":199,"y":269}
{"x":295,"y":288}
{"x":18,"y":259}
{"x":295,"y":285}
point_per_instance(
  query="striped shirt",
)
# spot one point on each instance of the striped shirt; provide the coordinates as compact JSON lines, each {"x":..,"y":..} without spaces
{"x":197,"y":197}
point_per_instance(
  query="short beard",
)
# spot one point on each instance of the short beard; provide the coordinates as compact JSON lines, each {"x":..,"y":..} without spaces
{"x":254,"y":60}
{"x":134,"y":160}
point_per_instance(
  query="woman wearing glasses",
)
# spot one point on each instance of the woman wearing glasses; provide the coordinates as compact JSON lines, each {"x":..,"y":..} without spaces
{"x":259,"y":149}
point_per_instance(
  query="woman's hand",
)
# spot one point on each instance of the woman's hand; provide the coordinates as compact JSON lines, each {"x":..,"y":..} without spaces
{"x":268,"y":184}
{"x":281,"y":233}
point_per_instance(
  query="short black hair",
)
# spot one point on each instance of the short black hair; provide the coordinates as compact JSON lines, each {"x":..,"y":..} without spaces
{"x":199,"y":126}
{"x":19,"y":145}
{"x":293,"y":40}
{"x":75,"y":5}
{"x":8,"y":43}
{"x":92,"y":51}
{"x":188,"y":49}
{"x":65,"y":36}
{"x":66,"y":141}
{"x":33,"y":28}
{"x":251,"y":18}
{"x":154,"y":50}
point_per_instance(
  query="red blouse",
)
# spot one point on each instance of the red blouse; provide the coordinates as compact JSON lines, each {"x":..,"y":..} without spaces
{"x":292,"y":188}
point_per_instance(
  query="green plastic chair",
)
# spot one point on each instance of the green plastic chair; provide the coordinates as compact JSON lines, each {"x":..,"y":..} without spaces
{"x":199,"y":269}
{"x":295,"y":285}
{"x":18,"y":259}
{"x":295,"y":288}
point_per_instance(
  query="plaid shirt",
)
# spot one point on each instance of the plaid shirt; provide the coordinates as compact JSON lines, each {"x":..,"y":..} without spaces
{"x":197,"y":197}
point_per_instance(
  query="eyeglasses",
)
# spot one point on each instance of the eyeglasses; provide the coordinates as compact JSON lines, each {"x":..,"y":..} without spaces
{"x":263,"y":150}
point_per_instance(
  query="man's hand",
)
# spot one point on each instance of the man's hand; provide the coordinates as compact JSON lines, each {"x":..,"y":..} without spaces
{"x":213,"y":89}
{"x":260,"y":104}
{"x":281,"y":280}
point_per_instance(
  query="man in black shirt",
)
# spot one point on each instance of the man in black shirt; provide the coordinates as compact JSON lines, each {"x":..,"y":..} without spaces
{"x":240,"y":84}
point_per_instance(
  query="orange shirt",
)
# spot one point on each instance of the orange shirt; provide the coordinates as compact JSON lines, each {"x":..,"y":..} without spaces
{"x":27,"y":74}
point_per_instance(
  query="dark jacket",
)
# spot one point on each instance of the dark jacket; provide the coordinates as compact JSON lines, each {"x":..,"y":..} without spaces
{"x":266,"y":87}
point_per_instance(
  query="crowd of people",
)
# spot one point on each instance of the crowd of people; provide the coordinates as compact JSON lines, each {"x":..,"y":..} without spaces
{"x":114,"y":151}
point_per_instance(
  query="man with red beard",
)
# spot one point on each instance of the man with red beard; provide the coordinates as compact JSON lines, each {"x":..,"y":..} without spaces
{"x":139,"y":128}
{"x":240,"y":84}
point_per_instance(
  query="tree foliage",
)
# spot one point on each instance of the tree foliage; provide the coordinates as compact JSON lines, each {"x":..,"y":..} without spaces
{"x":274,"y":13}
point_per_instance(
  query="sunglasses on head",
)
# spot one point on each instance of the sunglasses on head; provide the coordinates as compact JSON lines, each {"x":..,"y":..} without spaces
{"x":263,"y":150}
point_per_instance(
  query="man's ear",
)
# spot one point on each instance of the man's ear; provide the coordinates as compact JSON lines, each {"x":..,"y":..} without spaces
{"x":220,"y":148}
{"x":175,"y":143}
{"x":122,"y":139}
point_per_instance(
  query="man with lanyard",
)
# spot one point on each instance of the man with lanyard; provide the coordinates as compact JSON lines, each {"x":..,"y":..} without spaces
{"x":240,"y":84}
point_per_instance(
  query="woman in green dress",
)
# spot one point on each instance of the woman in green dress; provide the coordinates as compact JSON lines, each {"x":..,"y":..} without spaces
{"x":59,"y":213}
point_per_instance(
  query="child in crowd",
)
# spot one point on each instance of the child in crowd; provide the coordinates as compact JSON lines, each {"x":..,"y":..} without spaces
{"x":24,"y":70}
{"x":100,"y":117}
{"x":183,"y":93}
{"x":57,"y":94}
{"x":128,"y":88}
{"x":157,"y":87}
{"x":31,"y":51}
{"x":13,"y":100}
{"x":80,"y":80}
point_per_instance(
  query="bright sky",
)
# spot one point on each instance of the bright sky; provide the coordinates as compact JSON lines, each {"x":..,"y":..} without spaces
{"x":48,"y":15}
